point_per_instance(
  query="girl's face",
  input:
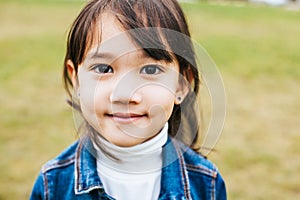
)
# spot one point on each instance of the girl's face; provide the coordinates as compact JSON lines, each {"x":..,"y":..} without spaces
{"x":124,"y":94}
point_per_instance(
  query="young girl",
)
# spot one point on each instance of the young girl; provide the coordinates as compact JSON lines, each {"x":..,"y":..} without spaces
{"x":131,"y":74}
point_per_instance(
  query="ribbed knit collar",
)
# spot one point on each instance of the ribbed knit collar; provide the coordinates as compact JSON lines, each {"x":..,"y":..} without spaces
{"x":142,"y":158}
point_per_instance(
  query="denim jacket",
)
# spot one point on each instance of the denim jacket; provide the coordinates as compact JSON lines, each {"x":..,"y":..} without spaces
{"x":73,"y":175}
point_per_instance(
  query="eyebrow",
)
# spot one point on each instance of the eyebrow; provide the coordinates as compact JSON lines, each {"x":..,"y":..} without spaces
{"x":111,"y":56}
{"x":104,"y":55}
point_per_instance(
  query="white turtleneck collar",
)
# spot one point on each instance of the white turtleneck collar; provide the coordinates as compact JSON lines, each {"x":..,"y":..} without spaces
{"x":138,"y":170}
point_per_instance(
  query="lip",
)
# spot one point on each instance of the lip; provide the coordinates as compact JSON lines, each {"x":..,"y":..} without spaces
{"x":126,"y":117}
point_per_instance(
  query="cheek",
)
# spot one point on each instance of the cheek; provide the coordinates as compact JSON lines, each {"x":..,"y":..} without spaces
{"x":92,"y":96}
{"x":87,"y":90}
{"x":160,"y":101}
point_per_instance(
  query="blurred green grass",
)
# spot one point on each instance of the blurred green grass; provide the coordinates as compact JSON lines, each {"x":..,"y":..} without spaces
{"x":255,"y":47}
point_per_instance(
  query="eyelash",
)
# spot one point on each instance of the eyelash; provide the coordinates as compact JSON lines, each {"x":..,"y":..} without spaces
{"x":157,"y":69}
{"x":104,"y":69}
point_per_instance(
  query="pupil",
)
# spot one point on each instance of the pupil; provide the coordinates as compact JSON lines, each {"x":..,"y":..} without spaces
{"x":104,"y":69}
{"x":150,"y":70}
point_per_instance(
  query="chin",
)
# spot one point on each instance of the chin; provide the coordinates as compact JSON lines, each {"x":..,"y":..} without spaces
{"x":128,"y":143}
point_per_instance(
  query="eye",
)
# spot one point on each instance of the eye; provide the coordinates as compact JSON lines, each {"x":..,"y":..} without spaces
{"x":151,"y":69}
{"x":102,"y":69}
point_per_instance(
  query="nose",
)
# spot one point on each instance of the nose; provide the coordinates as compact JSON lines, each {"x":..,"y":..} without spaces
{"x":125,"y":97}
{"x":126,"y":91}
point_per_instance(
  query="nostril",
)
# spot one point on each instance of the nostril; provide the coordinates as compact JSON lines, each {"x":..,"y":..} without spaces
{"x":125,"y":98}
{"x":136,"y":97}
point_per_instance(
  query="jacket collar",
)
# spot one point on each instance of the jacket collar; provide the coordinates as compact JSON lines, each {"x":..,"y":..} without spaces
{"x":86,"y":177}
{"x":174,"y":174}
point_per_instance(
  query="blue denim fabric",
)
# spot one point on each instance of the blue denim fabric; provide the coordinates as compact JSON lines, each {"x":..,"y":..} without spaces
{"x":73,"y":175}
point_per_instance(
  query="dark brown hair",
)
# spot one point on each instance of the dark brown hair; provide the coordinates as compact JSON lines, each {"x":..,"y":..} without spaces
{"x":142,"y":15}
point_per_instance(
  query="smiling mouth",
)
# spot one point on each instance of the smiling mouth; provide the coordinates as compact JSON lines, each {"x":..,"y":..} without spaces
{"x":126,"y":117}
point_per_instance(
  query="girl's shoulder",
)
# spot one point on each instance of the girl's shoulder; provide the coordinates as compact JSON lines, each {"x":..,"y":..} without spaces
{"x":64,"y":159}
{"x":203,"y":178}
{"x":196,"y":162}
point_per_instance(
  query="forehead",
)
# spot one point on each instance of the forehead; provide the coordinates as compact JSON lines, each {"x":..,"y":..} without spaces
{"x":110,"y":37}
{"x":108,"y":27}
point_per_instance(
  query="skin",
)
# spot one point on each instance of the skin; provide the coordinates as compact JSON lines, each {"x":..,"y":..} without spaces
{"x":125,"y":95}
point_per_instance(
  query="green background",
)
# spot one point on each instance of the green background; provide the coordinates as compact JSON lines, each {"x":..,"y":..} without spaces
{"x":256,"y":48}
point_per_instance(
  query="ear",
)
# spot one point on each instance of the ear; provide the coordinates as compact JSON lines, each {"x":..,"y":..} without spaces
{"x":72,"y":73}
{"x":183,"y":87}
{"x":181,"y":91}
